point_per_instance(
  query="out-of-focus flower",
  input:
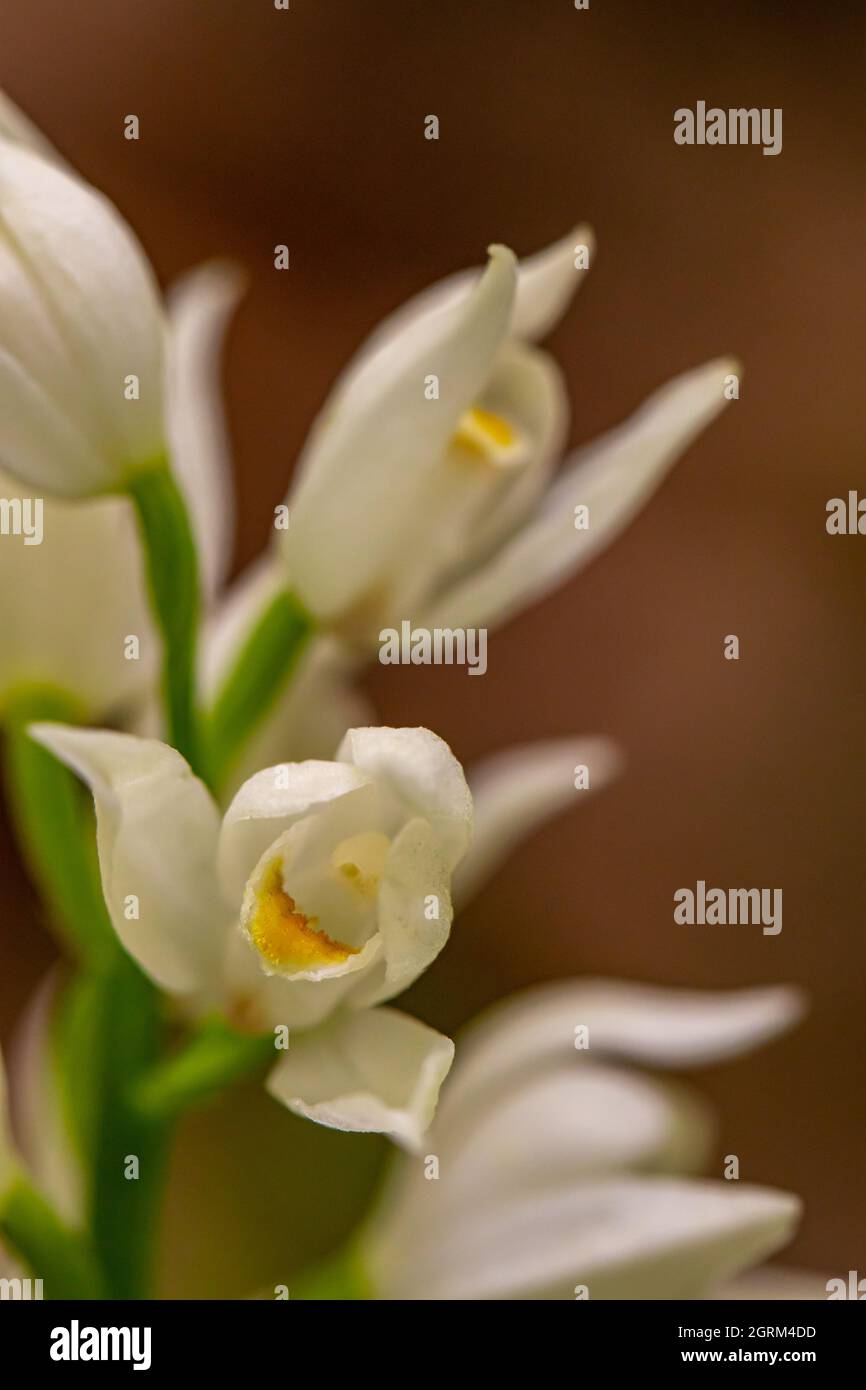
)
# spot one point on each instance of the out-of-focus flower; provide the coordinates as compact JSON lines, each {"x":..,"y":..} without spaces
{"x":70,"y":603}
{"x":552,"y":1176}
{"x":423,"y":491}
{"x":338,"y":876}
{"x":82,"y":358}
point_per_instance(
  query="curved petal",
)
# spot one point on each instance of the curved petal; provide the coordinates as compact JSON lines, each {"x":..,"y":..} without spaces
{"x":484,"y":485}
{"x":157,"y":829}
{"x":359,"y":487}
{"x":88,"y":563}
{"x":515,"y":792}
{"x":541,"y":1129}
{"x":614,"y":477}
{"x":547,"y":282}
{"x":419,"y":770}
{"x":415,"y":914}
{"x":269,"y":803}
{"x":527,"y":390}
{"x":614,"y":1018}
{"x":200,"y":306}
{"x":378,"y":1071}
{"x":80,"y":311}
{"x":624,"y":1238}
{"x":45,"y":1142}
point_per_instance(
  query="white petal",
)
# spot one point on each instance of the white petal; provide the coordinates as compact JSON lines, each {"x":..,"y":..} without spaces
{"x":415,"y":914}
{"x":200,"y":306}
{"x":157,"y":830}
{"x":516,"y":791}
{"x":269,"y":803}
{"x":629,"y":1239}
{"x":471,"y":501}
{"x":371,"y":453}
{"x":44,"y":1139}
{"x":614,"y":477}
{"x":547,"y":282}
{"x":377,"y":1071}
{"x":644,"y":1023}
{"x":80,"y":312}
{"x":537,"y":1130}
{"x":88,"y":563}
{"x":418,"y":768}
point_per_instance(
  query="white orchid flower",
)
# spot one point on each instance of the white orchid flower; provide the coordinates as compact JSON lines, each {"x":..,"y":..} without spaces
{"x":553,"y":1163}
{"x":425,"y":480}
{"x":323,"y":892}
{"x":70,"y":603}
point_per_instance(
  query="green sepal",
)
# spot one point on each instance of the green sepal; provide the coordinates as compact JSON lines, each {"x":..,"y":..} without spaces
{"x":52,"y":1250}
{"x":259,"y":673}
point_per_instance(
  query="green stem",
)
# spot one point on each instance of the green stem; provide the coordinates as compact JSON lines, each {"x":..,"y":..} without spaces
{"x":173,"y":581}
{"x":339,"y":1278}
{"x":213,"y":1058}
{"x":54,"y":821}
{"x":260,"y":672}
{"x":52,"y":1251}
{"x":129,"y":1152}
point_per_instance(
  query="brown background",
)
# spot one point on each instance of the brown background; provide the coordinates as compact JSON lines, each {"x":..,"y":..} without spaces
{"x":259,"y":127}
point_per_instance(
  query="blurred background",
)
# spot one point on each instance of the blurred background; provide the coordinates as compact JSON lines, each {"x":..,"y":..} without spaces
{"x":260,"y":127}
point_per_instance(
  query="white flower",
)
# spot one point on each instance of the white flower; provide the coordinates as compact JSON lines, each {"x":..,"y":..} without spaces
{"x":553,"y":1162}
{"x":44,"y":1145}
{"x":81,"y":335}
{"x":69,"y":604}
{"x":424,"y":492}
{"x":324,"y":891}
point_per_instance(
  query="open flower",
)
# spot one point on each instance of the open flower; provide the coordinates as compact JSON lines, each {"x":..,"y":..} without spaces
{"x":424,"y":492}
{"x":553,"y":1164}
{"x":324,"y":891}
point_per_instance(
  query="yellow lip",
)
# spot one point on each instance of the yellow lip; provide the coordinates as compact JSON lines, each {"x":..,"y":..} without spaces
{"x":286,"y":938}
{"x":484,"y":434}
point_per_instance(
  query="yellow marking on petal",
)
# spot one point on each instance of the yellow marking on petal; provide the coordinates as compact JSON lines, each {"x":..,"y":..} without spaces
{"x":287,"y":938}
{"x":484,"y":434}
